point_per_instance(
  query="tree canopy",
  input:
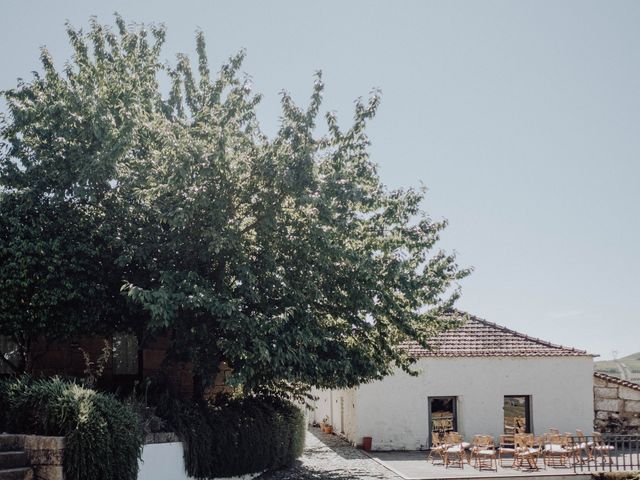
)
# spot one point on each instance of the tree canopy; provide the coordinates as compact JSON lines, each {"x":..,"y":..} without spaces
{"x":124,"y":206}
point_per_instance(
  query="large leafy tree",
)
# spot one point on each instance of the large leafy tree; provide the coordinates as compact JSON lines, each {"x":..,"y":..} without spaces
{"x":286,"y":257}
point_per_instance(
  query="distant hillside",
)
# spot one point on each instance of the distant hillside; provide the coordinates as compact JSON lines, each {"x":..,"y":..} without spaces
{"x":627,"y":368}
{"x":631,"y":358}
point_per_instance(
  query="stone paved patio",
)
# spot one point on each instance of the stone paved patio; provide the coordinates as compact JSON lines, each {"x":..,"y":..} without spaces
{"x":412,"y":465}
{"x":327,"y":457}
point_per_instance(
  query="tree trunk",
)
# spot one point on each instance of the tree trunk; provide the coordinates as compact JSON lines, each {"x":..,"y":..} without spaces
{"x":198,"y":389}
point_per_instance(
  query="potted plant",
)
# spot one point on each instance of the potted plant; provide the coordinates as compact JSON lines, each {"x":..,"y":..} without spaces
{"x":325,"y":425}
{"x":323,"y":422}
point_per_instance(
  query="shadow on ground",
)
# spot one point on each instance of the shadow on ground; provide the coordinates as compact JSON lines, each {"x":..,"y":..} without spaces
{"x":338,"y":445}
{"x":328,"y":457}
{"x":304,"y":472}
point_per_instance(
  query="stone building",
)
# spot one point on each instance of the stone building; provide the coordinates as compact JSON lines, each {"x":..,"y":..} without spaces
{"x":617,"y":405}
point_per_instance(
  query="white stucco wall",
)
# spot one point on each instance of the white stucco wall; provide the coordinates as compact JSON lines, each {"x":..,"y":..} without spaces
{"x":339,"y":406}
{"x":394,"y":411}
{"x":164,"y":461}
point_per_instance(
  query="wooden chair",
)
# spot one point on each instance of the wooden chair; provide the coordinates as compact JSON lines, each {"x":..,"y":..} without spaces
{"x":507,"y":447}
{"x":455,"y":451}
{"x":525,"y":450}
{"x":582,"y":449}
{"x":572,"y":443}
{"x":483,"y":452}
{"x":555,"y":451}
{"x":601,"y":449}
{"x":438,"y":447}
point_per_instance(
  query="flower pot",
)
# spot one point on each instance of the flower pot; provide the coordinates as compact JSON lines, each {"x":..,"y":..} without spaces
{"x":366,"y":443}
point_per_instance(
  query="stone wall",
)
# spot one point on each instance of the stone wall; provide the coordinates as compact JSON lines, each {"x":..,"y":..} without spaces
{"x":617,"y":405}
{"x":162,"y":457}
{"x":44,"y":454}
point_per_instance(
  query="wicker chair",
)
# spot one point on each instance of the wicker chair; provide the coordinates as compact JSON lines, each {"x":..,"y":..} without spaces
{"x":573,"y":444}
{"x":601,"y":449}
{"x":525,"y":450}
{"x":583,"y":447}
{"x":507,"y":447}
{"x":455,"y":451}
{"x":483,"y":453}
{"x":556,"y":451}
{"x":438,"y":447}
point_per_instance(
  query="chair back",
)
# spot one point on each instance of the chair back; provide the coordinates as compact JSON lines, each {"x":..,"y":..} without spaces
{"x":453,"y":438}
{"x":537,"y":441}
{"x":568,"y":439}
{"x":483,"y":441}
{"x":554,"y":439}
{"x":597,"y":439}
{"x":522,"y":441}
{"x":506,"y":441}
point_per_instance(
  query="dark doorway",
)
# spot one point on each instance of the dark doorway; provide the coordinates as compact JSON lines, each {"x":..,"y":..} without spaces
{"x":443,"y":416}
{"x":517,"y":414}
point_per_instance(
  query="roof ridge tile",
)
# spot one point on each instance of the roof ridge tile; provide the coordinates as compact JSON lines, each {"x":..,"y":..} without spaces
{"x":619,"y":381}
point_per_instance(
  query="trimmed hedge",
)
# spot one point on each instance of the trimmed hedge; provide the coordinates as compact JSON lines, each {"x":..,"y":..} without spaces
{"x":238,"y":436}
{"x":103,"y":439}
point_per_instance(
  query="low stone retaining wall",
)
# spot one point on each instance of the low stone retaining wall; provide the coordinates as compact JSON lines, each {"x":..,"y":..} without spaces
{"x":162,"y":457}
{"x":44,"y":453}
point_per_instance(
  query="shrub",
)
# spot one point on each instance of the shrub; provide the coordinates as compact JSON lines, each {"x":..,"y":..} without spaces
{"x":149,"y":421}
{"x":615,"y":475}
{"x":237,"y":436}
{"x":103,"y":440}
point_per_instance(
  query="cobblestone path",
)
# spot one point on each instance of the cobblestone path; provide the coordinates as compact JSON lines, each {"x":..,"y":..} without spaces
{"x":327,"y":457}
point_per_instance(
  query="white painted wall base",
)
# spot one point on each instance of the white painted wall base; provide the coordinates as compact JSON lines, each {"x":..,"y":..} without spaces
{"x":164,"y":461}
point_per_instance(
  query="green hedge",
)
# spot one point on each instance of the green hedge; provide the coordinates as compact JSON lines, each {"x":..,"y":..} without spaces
{"x":103,"y":439}
{"x":238,"y":436}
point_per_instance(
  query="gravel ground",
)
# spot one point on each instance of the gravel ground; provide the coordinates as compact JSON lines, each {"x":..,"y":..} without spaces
{"x":327,"y":457}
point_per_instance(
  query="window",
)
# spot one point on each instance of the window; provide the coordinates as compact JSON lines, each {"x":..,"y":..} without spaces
{"x":125,"y":354}
{"x":442,"y":415}
{"x":517,"y":414}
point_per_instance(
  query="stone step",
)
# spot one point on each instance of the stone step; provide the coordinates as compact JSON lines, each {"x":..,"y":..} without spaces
{"x":11,"y":443}
{"x":16,"y":474}
{"x":15,"y":459}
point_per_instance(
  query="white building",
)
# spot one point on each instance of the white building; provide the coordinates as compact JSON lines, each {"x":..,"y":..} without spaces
{"x":480,"y":378}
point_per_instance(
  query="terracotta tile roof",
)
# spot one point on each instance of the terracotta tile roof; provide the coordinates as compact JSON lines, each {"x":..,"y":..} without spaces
{"x":616,"y":380}
{"x":479,"y":338}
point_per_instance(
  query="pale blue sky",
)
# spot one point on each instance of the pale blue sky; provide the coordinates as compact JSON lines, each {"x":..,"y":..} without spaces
{"x":522,"y":118}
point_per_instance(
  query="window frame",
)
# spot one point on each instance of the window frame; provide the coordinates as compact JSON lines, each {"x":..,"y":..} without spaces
{"x":527,"y":413}
{"x":454,"y":399}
